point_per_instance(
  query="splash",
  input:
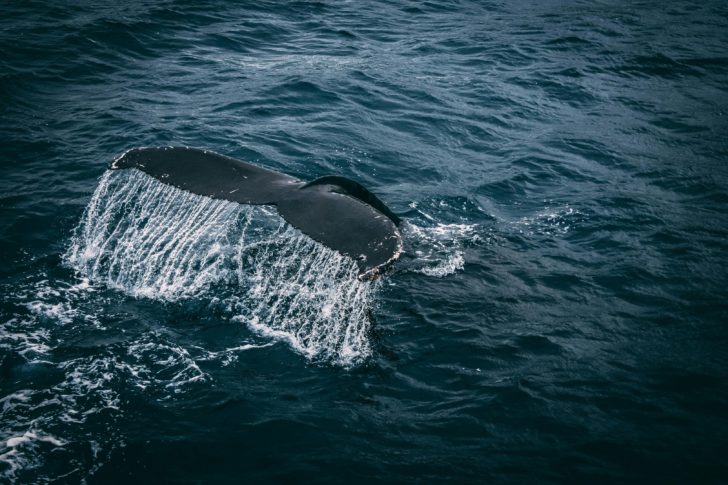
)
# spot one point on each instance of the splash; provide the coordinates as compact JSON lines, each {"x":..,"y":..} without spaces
{"x":151,"y":240}
{"x":438,"y":250}
{"x":147,"y":239}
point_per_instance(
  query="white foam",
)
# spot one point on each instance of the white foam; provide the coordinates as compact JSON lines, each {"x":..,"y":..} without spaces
{"x":60,"y":312}
{"x":24,"y":336}
{"x":31,"y":436}
{"x":453,"y":263}
{"x":12,"y":400}
{"x":437,"y":250}
{"x":159,"y":363}
{"x":229,"y":355}
{"x":19,"y":455}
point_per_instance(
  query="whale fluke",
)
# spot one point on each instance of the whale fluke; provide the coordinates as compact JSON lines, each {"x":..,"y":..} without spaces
{"x":332,"y":210}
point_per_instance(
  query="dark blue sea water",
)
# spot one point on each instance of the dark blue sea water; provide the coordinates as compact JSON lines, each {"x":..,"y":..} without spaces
{"x":559,"y":314}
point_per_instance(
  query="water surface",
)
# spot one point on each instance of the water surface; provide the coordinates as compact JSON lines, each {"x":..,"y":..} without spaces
{"x":559,"y":314}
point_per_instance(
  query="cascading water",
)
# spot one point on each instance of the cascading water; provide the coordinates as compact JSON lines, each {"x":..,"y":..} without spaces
{"x":151,"y":240}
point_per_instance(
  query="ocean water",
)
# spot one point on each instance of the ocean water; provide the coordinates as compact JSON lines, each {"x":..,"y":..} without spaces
{"x":559,"y":314}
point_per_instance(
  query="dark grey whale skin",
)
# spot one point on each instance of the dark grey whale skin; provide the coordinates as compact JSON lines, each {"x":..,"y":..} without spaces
{"x":333,"y":210}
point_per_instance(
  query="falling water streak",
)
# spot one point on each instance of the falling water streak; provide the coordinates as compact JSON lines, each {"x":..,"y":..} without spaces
{"x":151,"y":240}
{"x":308,"y":295}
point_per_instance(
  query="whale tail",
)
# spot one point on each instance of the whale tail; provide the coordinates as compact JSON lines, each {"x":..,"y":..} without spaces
{"x":334,"y":211}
